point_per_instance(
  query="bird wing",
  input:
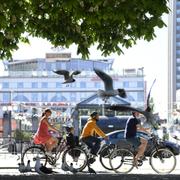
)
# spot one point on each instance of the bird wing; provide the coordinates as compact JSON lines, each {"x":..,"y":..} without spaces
{"x":148,"y":97}
{"x":75,"y":73}
{"x":108,"y":82}
{"x":65,"y":73}
{"x":125,"y":108}
{"x":148,"y":115}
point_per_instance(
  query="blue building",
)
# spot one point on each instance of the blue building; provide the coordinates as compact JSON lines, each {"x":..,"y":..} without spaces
{"x":32,"y":83}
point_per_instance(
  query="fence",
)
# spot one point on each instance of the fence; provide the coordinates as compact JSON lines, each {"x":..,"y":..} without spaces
{"x":11,"y":151}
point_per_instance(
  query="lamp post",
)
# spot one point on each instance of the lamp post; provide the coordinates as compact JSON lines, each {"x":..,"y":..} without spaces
{"x":7,"y":110}
{"x":34,"y":118}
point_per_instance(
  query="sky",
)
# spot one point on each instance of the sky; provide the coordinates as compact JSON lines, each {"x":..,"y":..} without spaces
{"x":153,"y":56}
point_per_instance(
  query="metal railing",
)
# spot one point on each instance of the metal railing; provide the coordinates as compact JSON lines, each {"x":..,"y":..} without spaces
{"x":11,"y":152}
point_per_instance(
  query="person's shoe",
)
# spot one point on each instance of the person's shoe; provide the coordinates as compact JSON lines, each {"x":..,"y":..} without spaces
{"x":94,"y":154}
{"x":91,"y":160}
{"x":64,"y":167}
{"x":143,"y":158}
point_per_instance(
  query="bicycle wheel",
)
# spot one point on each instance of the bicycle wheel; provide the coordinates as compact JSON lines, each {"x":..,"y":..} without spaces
{"x":75,"y":158}
{"x":32,"y":153}
{"x":163,"y":161}
{"x":121,"y":160}
{"x":104,"y":156}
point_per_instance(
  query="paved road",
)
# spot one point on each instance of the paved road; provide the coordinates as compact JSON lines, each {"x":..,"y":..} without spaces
{"x":9,"y":165}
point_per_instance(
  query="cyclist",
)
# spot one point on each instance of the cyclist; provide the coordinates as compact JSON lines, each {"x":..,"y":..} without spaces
{"x":43,"y":135}
{"x":132,"y":125}
{"x":88,"y":133}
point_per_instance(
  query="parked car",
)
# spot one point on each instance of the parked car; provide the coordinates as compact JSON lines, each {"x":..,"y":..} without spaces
{"x":117,"y":138}
{"x":107,"y":123}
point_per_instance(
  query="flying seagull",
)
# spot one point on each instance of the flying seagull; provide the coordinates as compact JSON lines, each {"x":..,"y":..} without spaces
{"x":108,"y":86}
{"x":148,"y":112}
{"x":68,"y":77}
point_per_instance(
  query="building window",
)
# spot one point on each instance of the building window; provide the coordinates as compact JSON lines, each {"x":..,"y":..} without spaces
{"x":58,"y":85}
{"x":177,"y":43}
{"x":5,"y":85}
{"x":34,"y":85}
{"x":177,"y":28}
{"x":126,"y":84}
{"x":82,"y":84}
{"x":178,"y":52}
{"x":6,"y":97}
{"x":20,"y":85}
{"x":132,"y":96}
{"x":178,"y":60}
{"x":44,"y":97}
{"x":132,"y":84}
{"x":140,"y":84}
{"x":34,"y":97}
{"x":73,"y":97}
{"x":44,"y":85}
{"x":63,"y":65}
{"x":97,"y":85}
{"x":140,"y":96}
{"x":73,"y":85}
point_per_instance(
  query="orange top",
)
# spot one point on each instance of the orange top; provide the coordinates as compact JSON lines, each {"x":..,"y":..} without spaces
{"x":90,"y":128}
{"x":42,"y":135}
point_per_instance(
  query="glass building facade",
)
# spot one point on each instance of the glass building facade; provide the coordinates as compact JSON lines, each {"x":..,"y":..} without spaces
{"x":174,"y":57}
{"x":28,"y":86}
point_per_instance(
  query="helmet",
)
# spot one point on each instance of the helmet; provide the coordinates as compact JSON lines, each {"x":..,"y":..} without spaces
{"x":93,"y":114}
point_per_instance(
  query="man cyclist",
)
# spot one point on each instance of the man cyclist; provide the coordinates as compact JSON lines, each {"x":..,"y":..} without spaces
{"x":88,"y":133}
{"x":132,"y":126}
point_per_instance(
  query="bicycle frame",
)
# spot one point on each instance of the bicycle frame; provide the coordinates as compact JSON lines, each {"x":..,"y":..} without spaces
{"x":59,"y":149}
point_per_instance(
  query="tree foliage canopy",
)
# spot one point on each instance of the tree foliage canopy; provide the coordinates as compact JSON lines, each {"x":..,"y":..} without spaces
{"x":112,"y":24}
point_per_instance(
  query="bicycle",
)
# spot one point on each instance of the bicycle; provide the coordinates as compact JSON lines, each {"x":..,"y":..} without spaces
{"x":104,"y":154}
{"x":38,"y":151}
{"x":161,"y":160}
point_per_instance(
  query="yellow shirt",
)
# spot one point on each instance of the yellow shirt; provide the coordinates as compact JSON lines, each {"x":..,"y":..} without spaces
{"x":91,"y":127}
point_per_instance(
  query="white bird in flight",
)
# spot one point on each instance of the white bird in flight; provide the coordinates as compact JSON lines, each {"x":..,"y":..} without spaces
{"x":68,"y":77}
{"x":108,"y":91}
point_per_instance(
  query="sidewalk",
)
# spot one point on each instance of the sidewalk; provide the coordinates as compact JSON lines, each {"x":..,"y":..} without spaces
{"x":9,"y":166}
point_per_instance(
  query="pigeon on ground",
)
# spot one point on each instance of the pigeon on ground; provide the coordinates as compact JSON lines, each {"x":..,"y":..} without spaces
{"x":28,"y":167}
{"x":46,"y":170}
{"x":41,"y":169}
{"x":68,"y":77}
{"x":64,"y":167}
{"x":22,"y":168}
{"x":108,"y":91}
{"x":72,"y":169}
{"x":37,"y":166}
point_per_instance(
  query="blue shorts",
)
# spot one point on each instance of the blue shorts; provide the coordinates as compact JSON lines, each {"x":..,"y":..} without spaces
{"x":135,"y":141}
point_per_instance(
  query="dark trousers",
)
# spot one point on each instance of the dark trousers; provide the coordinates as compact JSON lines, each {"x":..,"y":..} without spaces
{"x":93,"y":143}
